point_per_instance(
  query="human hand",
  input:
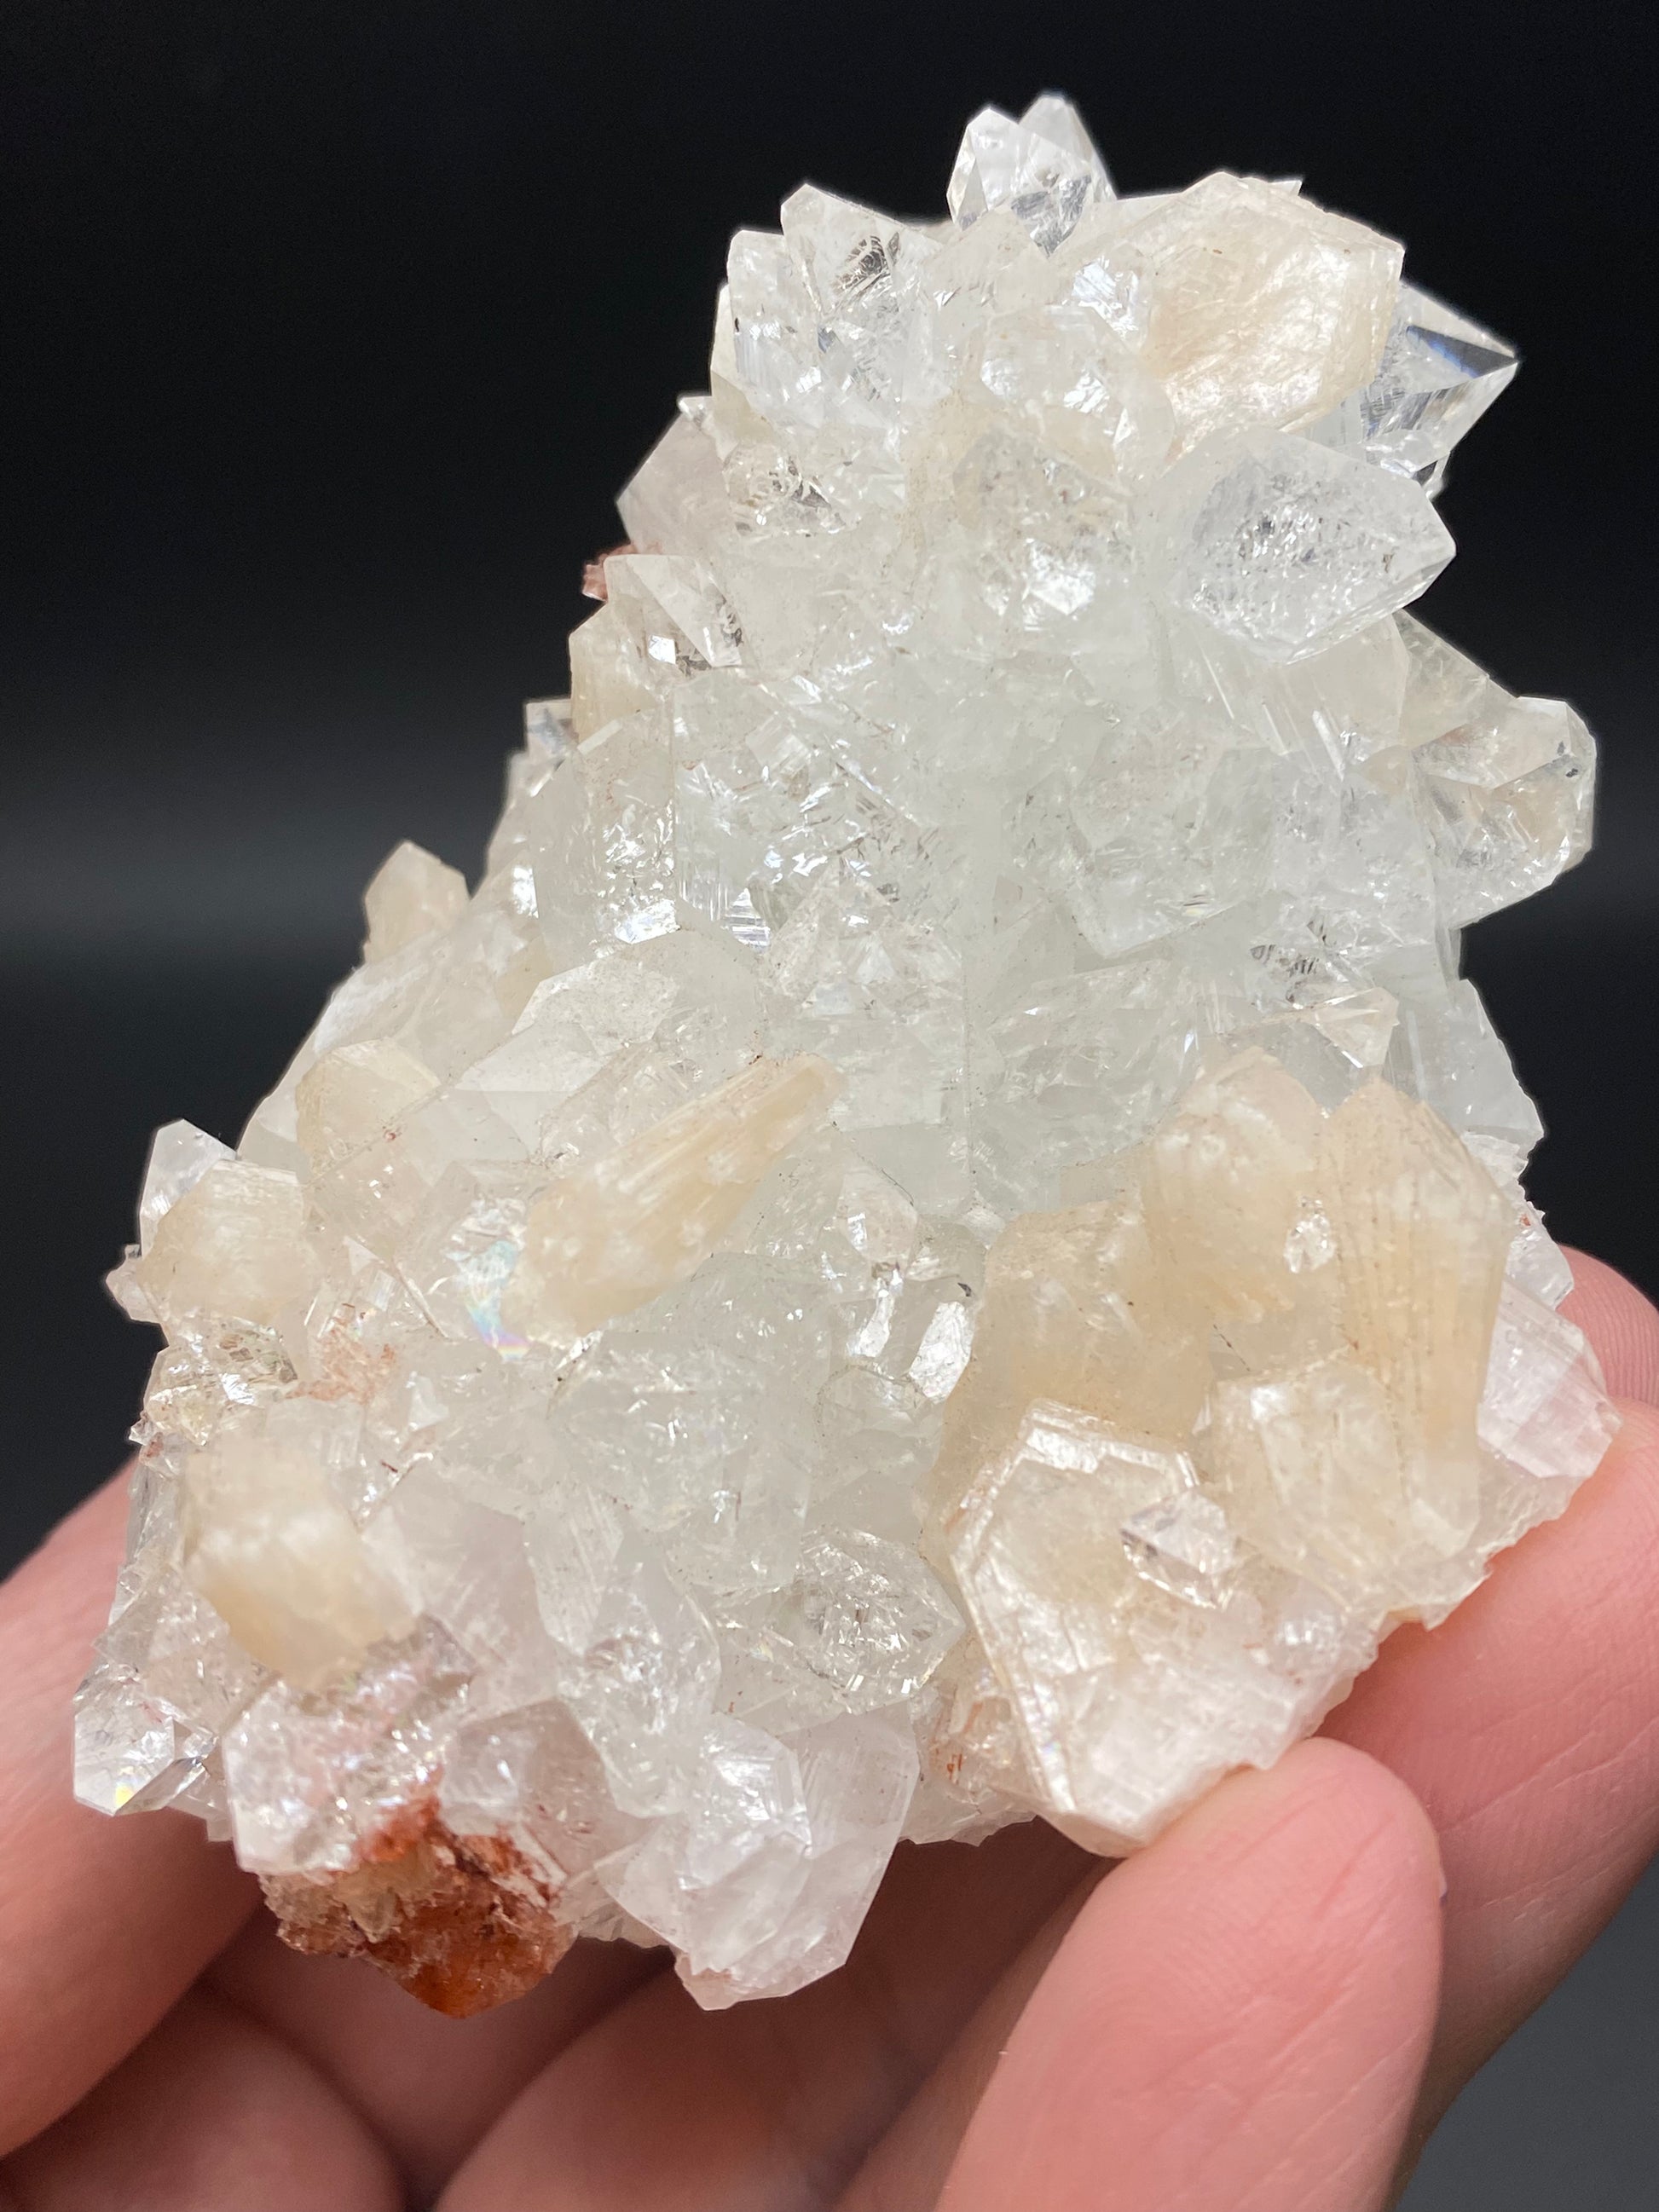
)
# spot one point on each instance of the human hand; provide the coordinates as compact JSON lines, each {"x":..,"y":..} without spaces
{"x":1264,"y":2010}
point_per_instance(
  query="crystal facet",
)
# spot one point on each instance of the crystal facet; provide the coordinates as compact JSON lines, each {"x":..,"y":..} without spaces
{"x":940,"y":1239}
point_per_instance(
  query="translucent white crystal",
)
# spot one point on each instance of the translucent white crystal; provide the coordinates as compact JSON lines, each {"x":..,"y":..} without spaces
{"x":1085,"y":1640}
{"x":180,"y":1156}
{"x":647,"y":1686}
{"x":1184,"y":1545}
{"x":1293,"y":547}
{"x":761,"y":1883}
{"x":414,"y":893}
{"x":941,"y":1238}
{"x":354,"y":1094}
{"x":534,"y":1772}
{"x":314,"y":1779}
{"x":169,"y":1678}
{"x":1043,"y":169}
{"x":233,"y":1245}
{"x":1509,"y":797}
{"x":862,"y":1625}
{"x":1438,"y":374}
{"x":1544,"y":1407}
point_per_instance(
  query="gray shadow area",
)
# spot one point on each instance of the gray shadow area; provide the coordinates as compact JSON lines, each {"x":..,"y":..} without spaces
{"x":1565,"y":2118}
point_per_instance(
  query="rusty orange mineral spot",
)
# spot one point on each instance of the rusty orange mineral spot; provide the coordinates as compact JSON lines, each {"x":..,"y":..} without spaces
{"x":462,"y":1922}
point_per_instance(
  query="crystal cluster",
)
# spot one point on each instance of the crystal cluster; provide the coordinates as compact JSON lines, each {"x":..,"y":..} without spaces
{"x":940,"y":1238}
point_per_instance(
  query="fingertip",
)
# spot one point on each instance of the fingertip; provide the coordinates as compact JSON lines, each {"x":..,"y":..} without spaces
{"x":1621,"y":1324}
{"x":1330,"y":1798}
{"x":1296,"y":1878}
{"x":1239,"y":2015}
{"x":1525,"y":1724}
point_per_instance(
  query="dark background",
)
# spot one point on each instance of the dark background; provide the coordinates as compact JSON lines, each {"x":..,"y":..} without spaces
{"x":327,"y":333}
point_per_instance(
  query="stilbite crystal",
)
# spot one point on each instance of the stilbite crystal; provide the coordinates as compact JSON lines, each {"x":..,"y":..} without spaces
{"x":607,"y":1238}
{"x":940,"y":1238}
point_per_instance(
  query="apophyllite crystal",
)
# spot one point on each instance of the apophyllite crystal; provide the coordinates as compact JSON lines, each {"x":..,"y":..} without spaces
{"x":940,"y":1239}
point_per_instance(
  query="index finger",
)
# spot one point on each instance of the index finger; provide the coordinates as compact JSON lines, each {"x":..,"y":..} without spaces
{"x":1527,"y":1723}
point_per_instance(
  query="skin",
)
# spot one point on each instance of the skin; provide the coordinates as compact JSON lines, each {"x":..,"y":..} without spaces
{"x":1269,"y":2009}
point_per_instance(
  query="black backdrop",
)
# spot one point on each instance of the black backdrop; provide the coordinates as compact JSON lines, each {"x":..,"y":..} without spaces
{"x":328,"y":332}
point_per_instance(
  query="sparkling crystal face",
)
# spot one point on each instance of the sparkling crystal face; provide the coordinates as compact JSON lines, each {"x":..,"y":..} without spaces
{"x":940,"y":1239}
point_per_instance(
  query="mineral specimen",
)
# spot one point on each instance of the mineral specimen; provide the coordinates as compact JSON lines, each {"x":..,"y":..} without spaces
{"x":940,"y":1238}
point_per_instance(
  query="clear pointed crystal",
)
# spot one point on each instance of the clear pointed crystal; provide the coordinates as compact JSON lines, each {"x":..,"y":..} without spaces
{"x":1046,"y":182}
{"x":1438,"y":374}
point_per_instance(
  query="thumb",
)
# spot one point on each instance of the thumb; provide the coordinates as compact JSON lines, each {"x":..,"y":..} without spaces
{"x":1237,"y":2018}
